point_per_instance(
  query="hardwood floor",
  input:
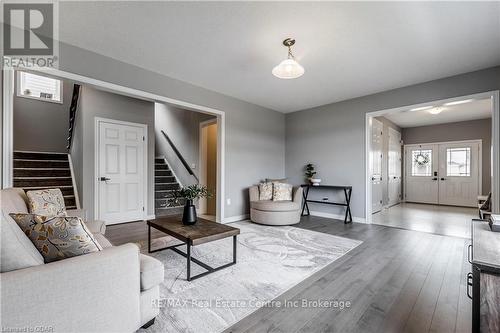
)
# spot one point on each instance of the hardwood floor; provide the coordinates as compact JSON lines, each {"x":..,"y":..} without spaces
{"x":441,"y":220}
{"x":397,"y":281}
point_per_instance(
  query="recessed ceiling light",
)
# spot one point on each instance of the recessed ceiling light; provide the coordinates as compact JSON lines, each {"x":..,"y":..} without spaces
{"x":458,"y":102}
{"x":436,"y":111}
{"x":422,"y":108}
{"x":288,"y":68}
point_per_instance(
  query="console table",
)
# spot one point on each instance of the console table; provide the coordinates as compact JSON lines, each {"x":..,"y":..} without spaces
{"x":347,"y":194}
{"x":484,"y":256}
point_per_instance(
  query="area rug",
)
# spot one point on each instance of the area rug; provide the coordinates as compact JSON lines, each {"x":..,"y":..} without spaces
{"x":270,"y":261}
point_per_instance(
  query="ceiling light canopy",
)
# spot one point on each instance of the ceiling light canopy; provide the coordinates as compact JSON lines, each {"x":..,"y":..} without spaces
{"x":422,"y":108}
{"x":288,"y":68}
{"x":459,"y":102}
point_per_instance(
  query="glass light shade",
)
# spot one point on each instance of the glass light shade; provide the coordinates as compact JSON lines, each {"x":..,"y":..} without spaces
{"x":435,"y":111}
{"x":288,"y":69}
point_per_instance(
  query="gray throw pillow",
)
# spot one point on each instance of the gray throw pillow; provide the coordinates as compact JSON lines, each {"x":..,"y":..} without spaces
{"x":57,"y":237}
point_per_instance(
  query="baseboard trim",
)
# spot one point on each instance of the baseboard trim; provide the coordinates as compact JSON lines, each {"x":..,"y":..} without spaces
{"x":150,"y":217}
{"x":235,"y":218}
{"x":337,"y":216}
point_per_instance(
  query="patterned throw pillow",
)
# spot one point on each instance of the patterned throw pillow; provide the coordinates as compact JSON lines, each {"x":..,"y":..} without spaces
{"x":48,"y":202}
{"x":282,"y":191}
{"x":265,"y":191}
{"x":57,"y":237}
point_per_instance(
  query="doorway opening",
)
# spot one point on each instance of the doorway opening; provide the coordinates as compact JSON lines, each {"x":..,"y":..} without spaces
{"x":433,"y":162}
{"x":208,"y":166}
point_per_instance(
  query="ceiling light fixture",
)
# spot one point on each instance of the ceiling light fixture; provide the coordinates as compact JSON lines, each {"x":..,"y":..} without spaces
{"x":458,"y":102}
{"x":422,"y":108}
{"x":288,"y":68}
{"x":436,"y":110}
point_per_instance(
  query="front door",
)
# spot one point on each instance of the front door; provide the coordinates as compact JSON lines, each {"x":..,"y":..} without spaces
{"x":376,"y":159}
{"x":459,"y":174}
{"x":121,"y":163}
{"x":422,"y":174}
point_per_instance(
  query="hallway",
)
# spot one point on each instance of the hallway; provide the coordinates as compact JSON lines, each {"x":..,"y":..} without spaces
{"x":441,"y":220}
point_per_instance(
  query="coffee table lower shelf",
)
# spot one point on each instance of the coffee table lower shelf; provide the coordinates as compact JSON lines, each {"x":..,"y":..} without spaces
{"x":189,"y":258}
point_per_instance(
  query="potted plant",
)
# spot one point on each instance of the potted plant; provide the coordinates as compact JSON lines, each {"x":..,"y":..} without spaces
{"x":189,"y":194}
{"x":310,"y":172}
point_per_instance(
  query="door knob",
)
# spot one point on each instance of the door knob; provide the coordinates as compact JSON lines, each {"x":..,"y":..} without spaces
{"x":443,"y":178}
{"x":103,"y":179}
{"x":434,"y":179}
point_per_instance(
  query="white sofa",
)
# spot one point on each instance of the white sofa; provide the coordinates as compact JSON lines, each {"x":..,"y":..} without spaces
{"x":108,"y":291}
{"x":270,"y":212}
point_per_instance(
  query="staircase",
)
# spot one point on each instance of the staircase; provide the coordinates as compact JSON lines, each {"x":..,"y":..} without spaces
{"x":165,"y":184}
{"x":38,"y":170}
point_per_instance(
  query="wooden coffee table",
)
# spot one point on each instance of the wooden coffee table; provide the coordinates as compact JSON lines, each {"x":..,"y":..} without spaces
{"x":203,"y":231}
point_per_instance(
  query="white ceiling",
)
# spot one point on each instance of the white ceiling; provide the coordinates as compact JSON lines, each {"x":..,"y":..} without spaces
{"x":348,"y":49}
{"x":477,"y":109}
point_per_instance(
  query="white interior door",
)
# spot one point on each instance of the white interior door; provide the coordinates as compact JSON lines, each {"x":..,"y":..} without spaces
{"x":459,"y":173}
{"x":121,"y":165}
{"x":376,"y":159}
{"x":394,"y":167}
{"x":421,"y":177}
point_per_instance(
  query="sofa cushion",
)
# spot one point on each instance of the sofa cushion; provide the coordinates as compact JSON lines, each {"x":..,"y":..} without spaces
{"x":102,"y":240}
{"x":275,"y":206}
{"x":276,"y":180}
{"x":265,"y":191}
{"x":152,"y":272}
{"x":57,"y":237}
{"x":282,"y":191}
{"x":16,"y":250}
{"x":48,"y":202}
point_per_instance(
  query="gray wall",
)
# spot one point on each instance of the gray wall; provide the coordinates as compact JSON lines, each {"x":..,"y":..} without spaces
{"x":182,"y":127}
{"x":333,"y":136}
{"x":97,"y":103}
{"x":40,"y":125}
{"x":464,"y":130}
{"x":255,"y":136}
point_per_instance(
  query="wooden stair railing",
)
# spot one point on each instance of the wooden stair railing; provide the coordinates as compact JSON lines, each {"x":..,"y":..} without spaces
{"x":72,"y":113}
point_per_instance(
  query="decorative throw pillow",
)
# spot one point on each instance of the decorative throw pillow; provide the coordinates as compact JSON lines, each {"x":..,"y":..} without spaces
{"x":282,"y":191}
{"x":48,"y":202}
{"x":265,"y":191}
{"x":57,"y":237}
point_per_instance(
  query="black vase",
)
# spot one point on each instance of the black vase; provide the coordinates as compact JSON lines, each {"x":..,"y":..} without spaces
{"x":189,"y":216}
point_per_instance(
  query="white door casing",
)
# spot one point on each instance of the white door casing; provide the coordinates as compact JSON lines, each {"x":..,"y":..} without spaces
{"x":421,"y":178}
{"x":376,"y":161}
{"x":394,"y":167}
{"x":459,"y":170}
{"x":121,"y":160}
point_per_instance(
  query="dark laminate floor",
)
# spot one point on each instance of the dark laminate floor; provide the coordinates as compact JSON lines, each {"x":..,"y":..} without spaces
{"x":397,"y":281}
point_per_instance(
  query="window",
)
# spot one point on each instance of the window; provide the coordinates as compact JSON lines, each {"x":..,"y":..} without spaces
{"x":421,"y":163}
{"x":39,"y":87}
{"x":458,"y":162}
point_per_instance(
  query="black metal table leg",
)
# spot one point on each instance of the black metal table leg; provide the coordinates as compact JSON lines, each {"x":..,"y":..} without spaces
{"x":234,"y":249}
{"x":188,"y":256}
{"x":149,"y":238}
{"x":305,"y":194}
{"x":347,"y":194}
